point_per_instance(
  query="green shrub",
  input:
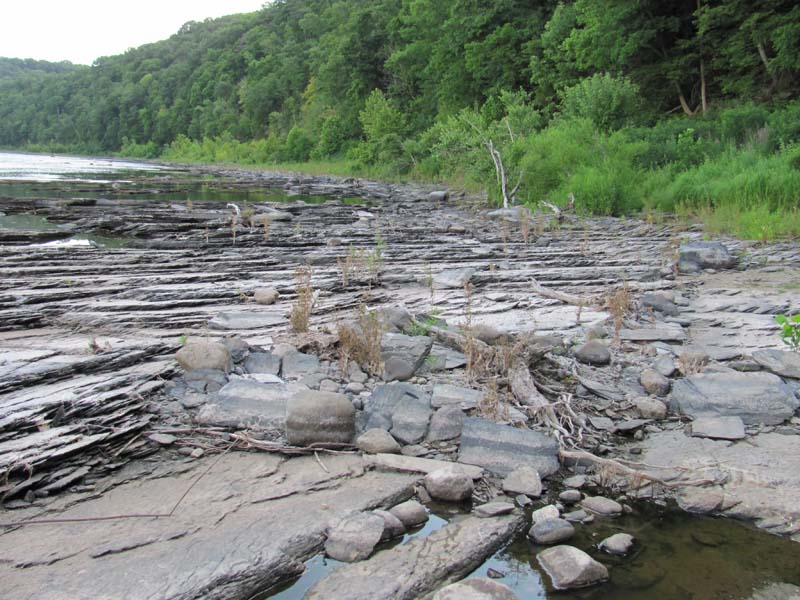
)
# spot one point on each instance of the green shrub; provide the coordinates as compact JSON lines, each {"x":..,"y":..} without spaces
{"x":607,"y":101}
{"x":298,"y":144}
{"x":332,"y":136}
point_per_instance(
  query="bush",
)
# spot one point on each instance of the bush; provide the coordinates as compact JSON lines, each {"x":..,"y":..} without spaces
{"x":607,"y":101}
{"x":298,"y":145}
{"x":332,"y":136}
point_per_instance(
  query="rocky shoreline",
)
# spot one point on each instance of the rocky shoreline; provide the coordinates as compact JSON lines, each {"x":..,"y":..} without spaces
{"x":587,"y":364}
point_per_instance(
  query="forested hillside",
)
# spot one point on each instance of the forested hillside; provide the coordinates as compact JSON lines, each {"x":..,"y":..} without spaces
{"x":658,"y":90}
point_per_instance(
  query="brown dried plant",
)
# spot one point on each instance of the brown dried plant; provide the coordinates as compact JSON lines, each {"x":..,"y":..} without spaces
{"x":361,"y":342}
{"x":490,"y":406}
{"x":303,"y":304}
{"x":620,"y":305}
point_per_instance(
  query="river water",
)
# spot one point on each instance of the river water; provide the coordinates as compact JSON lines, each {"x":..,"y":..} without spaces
{"x":676,"y":557}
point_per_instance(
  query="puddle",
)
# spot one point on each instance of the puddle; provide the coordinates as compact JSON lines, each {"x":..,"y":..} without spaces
{"x":30,"y":222}
{"x":677,"y":557}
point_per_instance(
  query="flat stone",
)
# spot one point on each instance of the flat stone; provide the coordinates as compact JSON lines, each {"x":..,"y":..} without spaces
{"x":319,"y":418}
{"x":411,"y":570}
{"x":402,"y":355}
{"x":442,"y":358}
{"x":204,"y":355}
{"x":676,"y":334}
{"x":618,"y":544}
{"x":650,"y":408}
{"x":599,"y":505}
{"x":410,"y":420}
{"x":246,"y":320}
{"x":575,"y":481}
{"x":386,"y":399}
{"x":450,"y":484}
{"x":570,"y":496}
{"x":476,"y":588}
{"x":410,"y":513}
{"x":594,"y":353}
{"x":355,"y":537}
{"x":452,"y":278}
{"x":193,"y":400}
{"x":377,"y":441}
{"x":569,"y":568}
{"x":413,"y":464}
{"x":665,"y":365}
{"x":780,"y":362}
{"x":718,"y":428}
{"x":296,"y":365}
{"x":162,"y":439}
{"x":701,"y":500}
{"x":262,"y":363}
{"x":493,"y":509}
{"x":576,"y":516}
{"x":660,"y":303}
{"x":654,"y":382}
{"x":453,"y":395}
{"x":523,"y":480}
{"x":247,"y":404}
{"x":446,"y":424}
{"x":501,"y":449}
{"x":754,"y":397}
{"x":205,"y":380}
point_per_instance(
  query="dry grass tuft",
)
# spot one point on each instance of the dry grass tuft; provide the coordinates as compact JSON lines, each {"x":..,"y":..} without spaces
{"x":304,"y":302}
{"x":490,"y":407}
{"x":620,"y":305}
{"x":361,"y":342}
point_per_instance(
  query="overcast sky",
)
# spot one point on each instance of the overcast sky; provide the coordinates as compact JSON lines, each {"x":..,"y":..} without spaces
{"x":83,"y":30}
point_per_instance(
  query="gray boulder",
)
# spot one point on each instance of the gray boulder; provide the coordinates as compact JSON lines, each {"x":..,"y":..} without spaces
{"x":439,"y":195}
{"x":475,"y":588}
{"x":445,"y":394}
{"x":400,"y":408}
{"x":204,"y":355}
{"x":392,"y":526}
{"x":546,"y":512}
{"x":410,"y":421}
{"x":755,"y":397}
{"x":319,"y":417}
{"x":654,"y":382}
{"x":551,"y":531}
{"x":402,"y":355}
{"x":296,"y":365}
{"x":501,"y":449}
{"x":780,"y":362}
{"x":599,"y":505}
{"x":446,"y":424}
{"x":594,"y":353}
{"x":266,"y":296}
{"x":411,"y":513}
{"x":450,"y":484}
{"x":618,"y":544}
{"x":205,"y":380}
{"x":650,"y":408}
{"x":568,"y":567}
{"x":452,"y":278}
{"x":355,"y":537}
{"x":493,"y":509}
{"x":696,"y":256}
{"x":395,"y":319}
{"x":247,"y":404}
{"x":659,"y":303}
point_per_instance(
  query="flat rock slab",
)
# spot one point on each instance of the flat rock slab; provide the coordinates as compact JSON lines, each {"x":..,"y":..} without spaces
{"x":403,"y":354}
{"x":245,"y":320}
{"x":446,"y":394}
{"x":413,"y":464}
{"x":755,"y":397}
{"x":780,"y":362}
{"x":409,"y":571}
{"x":675,"y":334}
{"x":718,"y":428}
{"x":229,"y":539}
{"x":501,"y":449}
{"x":759,"y":480}
{"x":242,"y":403}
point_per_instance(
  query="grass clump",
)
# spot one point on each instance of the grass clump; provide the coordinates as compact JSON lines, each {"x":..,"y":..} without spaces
{"x":303,"y":305}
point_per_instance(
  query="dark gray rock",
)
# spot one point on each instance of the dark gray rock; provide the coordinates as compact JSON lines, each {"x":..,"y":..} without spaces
{"x":696,"y":256}
{"x":402,"y":355}
{"x":501,"y":449}
{"x":493,"y":509}
{"x":204,"y":355}
{"x":650,"y":408}
{"x":605,"y":507}
{"x":355,"y":537}
{"x":395,"y":319}
{"x":410,"y":421}
{"x":205,"y":380}
{"x":551,"y":531}
{"x":392,"y":526}
{"x":446,"y":424}
{"x":568,"y":567}
{"x":755,"y":397}
{"x":319,"y":417}
{"x":665,"y":365}
{"x":570,"y":496}
{"x":439,"y":195}
{"x":238,"y":348}
{"x":661,"y":304}
{"x":262,"y":363}
{"x":593,"y":352}
{"x":718,"y":428}
{"x":780,"y":362}
{"x":386,"y":399}
{"x":247,"y":404}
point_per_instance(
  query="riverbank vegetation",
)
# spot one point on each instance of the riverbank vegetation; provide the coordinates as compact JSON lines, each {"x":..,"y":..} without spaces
{"x":623,"y":105}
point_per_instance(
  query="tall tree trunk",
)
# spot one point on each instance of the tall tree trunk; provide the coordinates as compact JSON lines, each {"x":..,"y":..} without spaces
{"x":703,"y":102}
{"x":762,"y":53}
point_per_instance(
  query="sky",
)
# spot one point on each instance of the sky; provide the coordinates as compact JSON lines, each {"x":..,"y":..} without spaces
{"x":82,"y":30}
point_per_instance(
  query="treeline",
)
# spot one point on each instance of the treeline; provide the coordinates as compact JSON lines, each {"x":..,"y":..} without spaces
{"x":421,"y":86}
